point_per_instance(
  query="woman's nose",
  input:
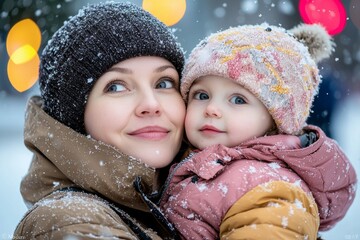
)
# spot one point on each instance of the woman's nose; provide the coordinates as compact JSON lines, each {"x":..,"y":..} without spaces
{"x":148,"y":105}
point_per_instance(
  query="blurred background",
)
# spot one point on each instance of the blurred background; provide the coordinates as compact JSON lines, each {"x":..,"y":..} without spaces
{"x":26,"y":26}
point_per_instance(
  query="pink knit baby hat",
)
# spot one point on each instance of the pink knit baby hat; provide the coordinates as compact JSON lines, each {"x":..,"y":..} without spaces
{"x":277,"y":66}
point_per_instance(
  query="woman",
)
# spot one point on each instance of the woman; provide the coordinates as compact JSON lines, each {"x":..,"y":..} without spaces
{"x":110,"y":115}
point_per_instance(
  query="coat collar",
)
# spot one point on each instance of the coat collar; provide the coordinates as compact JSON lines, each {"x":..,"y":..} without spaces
{"x":210,"y":161}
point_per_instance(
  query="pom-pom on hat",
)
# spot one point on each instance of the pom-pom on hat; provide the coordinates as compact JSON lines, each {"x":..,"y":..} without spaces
{"x":88,"y":44}
{"x":277,"y":66}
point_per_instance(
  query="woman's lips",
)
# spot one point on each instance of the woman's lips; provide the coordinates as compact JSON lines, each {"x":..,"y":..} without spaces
{"x":150,"y":132}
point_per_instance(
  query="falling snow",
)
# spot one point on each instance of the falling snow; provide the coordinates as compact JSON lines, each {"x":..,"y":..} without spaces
{"x":38,"y":12}
{"x":248,"y":7}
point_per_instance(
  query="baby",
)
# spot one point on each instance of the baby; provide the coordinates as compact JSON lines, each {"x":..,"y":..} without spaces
{"x":257,"y":170}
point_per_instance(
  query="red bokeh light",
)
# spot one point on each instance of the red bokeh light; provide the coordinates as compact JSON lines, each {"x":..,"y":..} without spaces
{"x":330,"y":13}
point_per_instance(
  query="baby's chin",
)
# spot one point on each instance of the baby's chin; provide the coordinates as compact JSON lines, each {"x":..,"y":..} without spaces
{"x":205,"y":143}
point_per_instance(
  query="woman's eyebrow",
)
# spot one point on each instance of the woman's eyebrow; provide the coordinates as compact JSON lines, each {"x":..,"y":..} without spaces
{"x":120,"y":70}
{"x":129,"y":71}
{"x":163,"y":68}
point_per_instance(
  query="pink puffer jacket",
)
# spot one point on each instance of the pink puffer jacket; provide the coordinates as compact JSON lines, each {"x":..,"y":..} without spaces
{"x":201,"y":191}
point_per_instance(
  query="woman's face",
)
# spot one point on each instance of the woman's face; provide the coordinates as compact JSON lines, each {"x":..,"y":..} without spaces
{"x":136,"y":106}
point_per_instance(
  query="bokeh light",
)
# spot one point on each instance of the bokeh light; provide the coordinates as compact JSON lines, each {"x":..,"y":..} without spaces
{"x":249,"y":6}
{"x":25,"y":32}
{"x":22,"y":45}
{"x":330,"y":13}
{"x":23,"y":76}
{"x":23,"y":54}
{"x":169,"y":12}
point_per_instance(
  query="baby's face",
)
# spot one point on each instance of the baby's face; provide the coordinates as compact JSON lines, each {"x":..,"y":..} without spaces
{"x":221,"y":111}
{"x":136,"y":106}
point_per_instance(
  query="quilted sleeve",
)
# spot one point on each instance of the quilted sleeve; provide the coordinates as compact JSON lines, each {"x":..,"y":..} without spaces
{"x":274,"y":210}
{"x":328,"y":173}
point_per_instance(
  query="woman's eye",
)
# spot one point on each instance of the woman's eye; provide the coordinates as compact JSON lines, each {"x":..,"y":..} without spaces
{"x":115,"y":87}
{"x":237,"y":100}
{"x":165,"y":84}
{"x":201,"y":96}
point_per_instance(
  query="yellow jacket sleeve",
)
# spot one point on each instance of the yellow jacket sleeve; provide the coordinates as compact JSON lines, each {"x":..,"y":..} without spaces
{"x":274,"y":210}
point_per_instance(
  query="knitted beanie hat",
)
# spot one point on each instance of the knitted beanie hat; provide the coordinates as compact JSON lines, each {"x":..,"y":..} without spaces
{"x":277,"y":66}
{"x":88,"y":44}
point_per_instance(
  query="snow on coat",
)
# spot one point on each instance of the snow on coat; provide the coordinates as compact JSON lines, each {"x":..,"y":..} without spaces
{"x":234,"y":190}
{"x":64,"y":158}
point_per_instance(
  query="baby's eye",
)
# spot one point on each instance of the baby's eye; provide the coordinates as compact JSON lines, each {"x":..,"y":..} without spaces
{"x":115,"y":87}
{"x":165,"y":84}
{"x":201,"y":96}
{"x":237,"y":100}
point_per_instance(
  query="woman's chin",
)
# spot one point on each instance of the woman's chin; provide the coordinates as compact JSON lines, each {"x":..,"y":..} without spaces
{"x":157,"y":158}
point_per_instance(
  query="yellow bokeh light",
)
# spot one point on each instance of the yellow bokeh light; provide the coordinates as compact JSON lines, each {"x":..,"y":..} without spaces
{"x":25,"y":32}
{"x":23,"y":76}
{"x":22,"y":43}
{"x":23,"y":54}
{"x":169,"y":12}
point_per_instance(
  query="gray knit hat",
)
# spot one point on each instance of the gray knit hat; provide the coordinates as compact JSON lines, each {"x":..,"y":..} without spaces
{"x":88,"y":44}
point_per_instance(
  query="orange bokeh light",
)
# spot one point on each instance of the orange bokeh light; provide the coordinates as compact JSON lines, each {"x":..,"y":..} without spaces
{"x":23,"y":76}
{"x":22,"y":44}
{"x":25,"y":32}
{"x":23,"y":54}
{"x":169,"y":12}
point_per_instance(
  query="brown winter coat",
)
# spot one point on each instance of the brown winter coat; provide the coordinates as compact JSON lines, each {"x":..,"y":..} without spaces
{"x":62,"y":159}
